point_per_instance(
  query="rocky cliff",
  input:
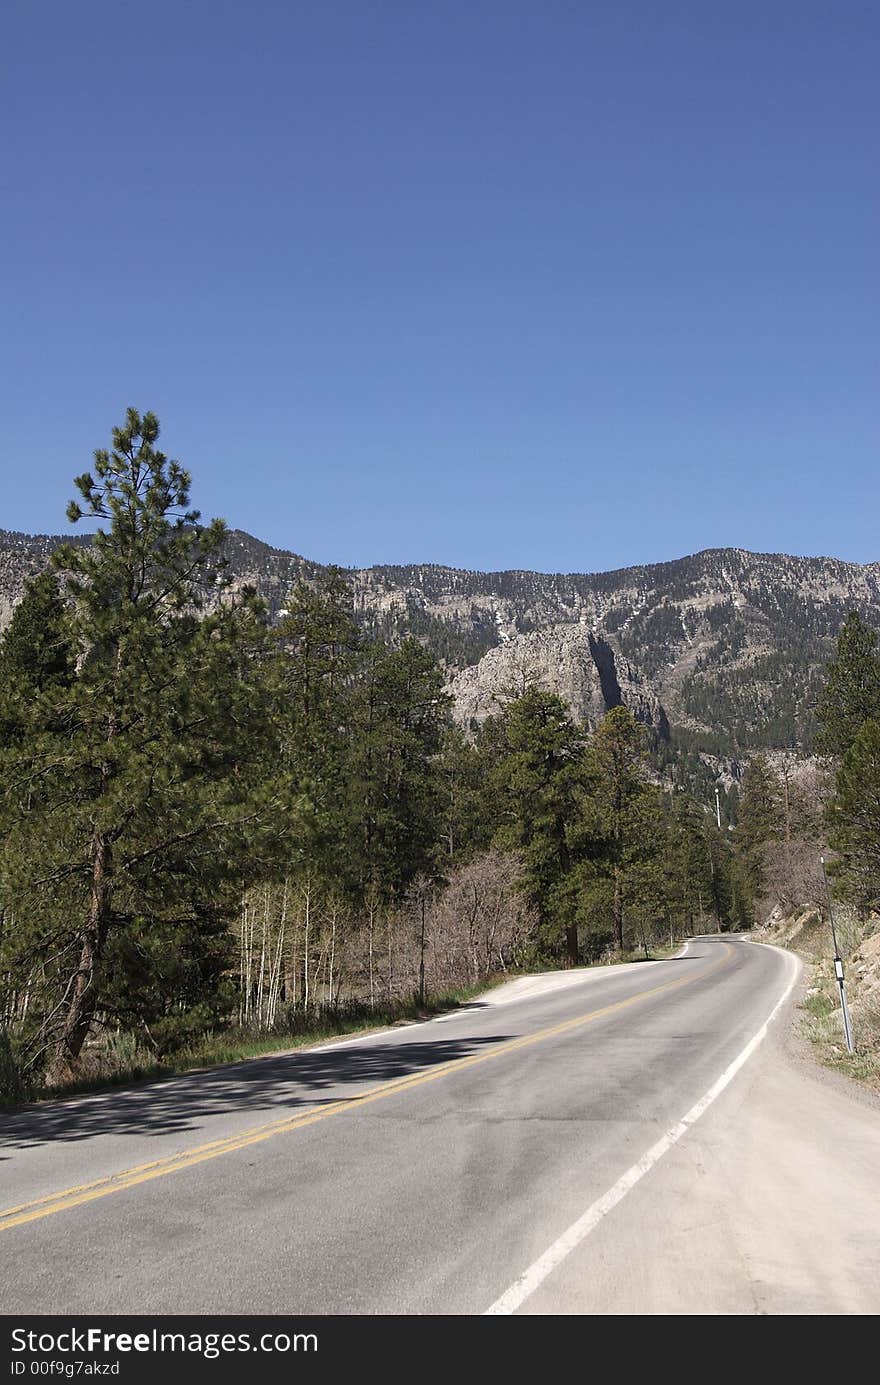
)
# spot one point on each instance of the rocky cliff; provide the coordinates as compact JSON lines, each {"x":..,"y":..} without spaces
{"x":722,"y":651}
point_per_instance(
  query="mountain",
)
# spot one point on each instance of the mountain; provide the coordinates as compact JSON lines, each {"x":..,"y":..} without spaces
{"x":719,"y":653}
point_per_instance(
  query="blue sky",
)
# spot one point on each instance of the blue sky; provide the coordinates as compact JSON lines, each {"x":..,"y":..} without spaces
{"x":549,"y":285}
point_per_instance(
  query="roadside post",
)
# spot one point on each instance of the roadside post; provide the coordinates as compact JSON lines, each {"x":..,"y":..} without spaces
{"x":838,"y":965}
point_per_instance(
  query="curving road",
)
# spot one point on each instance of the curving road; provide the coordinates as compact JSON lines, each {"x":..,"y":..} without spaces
{"x":633,"y":1140}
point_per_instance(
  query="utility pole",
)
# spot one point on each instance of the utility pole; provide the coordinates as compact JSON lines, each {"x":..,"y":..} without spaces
{"x":838,"y":965}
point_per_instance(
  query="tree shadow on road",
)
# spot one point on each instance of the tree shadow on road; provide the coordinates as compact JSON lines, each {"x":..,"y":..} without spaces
{"x":269,"y":1087}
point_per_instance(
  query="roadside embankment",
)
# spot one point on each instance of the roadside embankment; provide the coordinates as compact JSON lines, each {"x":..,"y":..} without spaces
{"x":820,"y":1021}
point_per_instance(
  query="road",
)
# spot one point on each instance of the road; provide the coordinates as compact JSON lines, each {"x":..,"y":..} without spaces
{"x":626,"y":1140}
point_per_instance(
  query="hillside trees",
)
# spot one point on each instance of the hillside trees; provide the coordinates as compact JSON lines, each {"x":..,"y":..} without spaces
{"x":363,"y":730}
{"x":606,"y":860}
{"x":781,"y":833}
{"x":700,"y":866}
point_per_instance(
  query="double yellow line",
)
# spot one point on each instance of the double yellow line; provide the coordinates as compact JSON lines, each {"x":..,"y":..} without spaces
{"x":143,"y":1173}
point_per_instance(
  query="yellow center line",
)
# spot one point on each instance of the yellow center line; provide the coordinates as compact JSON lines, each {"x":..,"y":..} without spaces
{"x":143,"y":1173}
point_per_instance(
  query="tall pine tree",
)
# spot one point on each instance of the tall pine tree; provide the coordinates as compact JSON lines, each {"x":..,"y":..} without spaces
{"x":852,"y":691}
{"x":760,"y":821}
{"x":617,"y":764}
{"x":855,"y":819}
{"x":401,"y":713}
{"x":139,"y":803}
{"x":537,"y":778}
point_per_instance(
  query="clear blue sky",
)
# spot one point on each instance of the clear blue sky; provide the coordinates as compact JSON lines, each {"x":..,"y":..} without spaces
{"x":549,"y":285}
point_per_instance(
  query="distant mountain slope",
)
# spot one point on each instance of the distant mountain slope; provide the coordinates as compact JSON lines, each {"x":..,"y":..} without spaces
{"x":722,"y":651}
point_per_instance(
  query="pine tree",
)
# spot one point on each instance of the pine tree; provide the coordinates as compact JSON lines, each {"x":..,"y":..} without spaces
{"x":852,"y":691}
{"x":36,"y":669}
{"x":36,"y":653}
{"x":320,"y":653}
{"x":855,"y":818}
{"x":401,"y":713}
{"x":468,"y":815}
{"x":728,"y":903}
{"x":139,"y":802}
{"x":617,"y":765}
{"x":36,"y":657}
{"x":695,"y":862}
{"x":537,"y":779}
{"x":761,"y":819}
{"x":653,"y":879}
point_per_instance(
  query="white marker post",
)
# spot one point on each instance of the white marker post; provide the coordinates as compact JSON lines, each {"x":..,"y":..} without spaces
{"x":838,"y":965}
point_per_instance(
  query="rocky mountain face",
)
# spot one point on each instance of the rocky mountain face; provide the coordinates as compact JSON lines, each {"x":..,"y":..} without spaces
{"x":586,"y":668}
{"x":719,"y":653}
{"x":723,"y":651}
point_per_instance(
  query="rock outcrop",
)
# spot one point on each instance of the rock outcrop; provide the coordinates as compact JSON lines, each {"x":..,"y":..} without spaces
{"x":583,"y":667}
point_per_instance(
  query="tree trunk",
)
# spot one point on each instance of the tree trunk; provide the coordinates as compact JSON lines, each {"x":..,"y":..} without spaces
{"x":618,"y":910}
{"x":308,"y":920}
{"x":370,"y":916}
{"x":571,"y":944}
{"x":81,"y":998}
{"x":422,"y":954}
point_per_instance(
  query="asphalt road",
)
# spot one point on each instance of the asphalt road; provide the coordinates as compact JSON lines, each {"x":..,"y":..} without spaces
{"x":626,"y":1140}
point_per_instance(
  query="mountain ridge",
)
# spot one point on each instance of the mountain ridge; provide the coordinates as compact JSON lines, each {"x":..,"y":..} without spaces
{"x":720,"y":653}
{"x":826,"y":558}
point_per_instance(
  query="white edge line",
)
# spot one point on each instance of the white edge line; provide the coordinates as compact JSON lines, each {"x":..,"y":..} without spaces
{"x":535,"y":1275}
